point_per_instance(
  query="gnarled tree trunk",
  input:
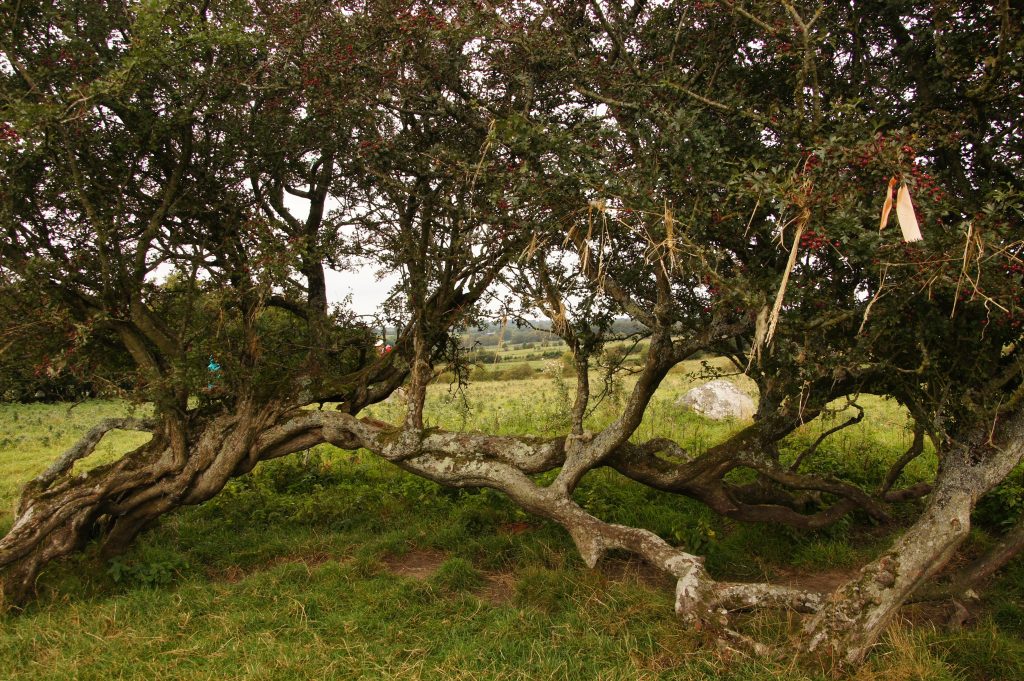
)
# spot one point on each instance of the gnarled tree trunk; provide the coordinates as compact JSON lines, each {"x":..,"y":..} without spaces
{"x":857,"y":613}
{"x":59,"y":513}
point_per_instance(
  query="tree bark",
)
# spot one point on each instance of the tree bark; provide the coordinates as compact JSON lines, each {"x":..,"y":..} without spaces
{"x":857,"y":613}
{"x":59,"y":513}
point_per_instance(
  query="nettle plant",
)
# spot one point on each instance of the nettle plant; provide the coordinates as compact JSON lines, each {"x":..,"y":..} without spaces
{"x":716,"y":172}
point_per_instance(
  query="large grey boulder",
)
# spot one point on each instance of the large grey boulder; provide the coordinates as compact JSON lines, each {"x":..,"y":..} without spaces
{"x":719,"y":400}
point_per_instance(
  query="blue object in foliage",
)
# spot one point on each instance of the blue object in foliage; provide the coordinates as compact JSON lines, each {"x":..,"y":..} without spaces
{"x":214,"y":369}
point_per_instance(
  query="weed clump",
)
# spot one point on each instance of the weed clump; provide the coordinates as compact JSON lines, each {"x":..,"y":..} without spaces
{"x":456,"y":574}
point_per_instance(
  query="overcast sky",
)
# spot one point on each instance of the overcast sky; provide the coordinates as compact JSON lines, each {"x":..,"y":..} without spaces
{"x":367,"y":291}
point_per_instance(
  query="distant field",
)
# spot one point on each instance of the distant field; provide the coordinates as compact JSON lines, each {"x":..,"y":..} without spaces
{"x":541,"y":356}
{"x":337,"y":565}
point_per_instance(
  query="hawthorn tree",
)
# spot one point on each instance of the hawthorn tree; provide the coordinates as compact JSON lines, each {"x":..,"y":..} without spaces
{"x":714,"y":171}
{"x":747,"y":151}
{"x":167,"y":136}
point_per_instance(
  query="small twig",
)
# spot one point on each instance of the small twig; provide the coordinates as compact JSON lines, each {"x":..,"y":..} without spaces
{"x":750,"y":222}
{"x":700,"y":98}
{"x":963,"y":269}
{"x":773,"y":318}
{"x":483,"y":155}
{"x":874,"y":298}
{"x":821,"y":438}
{"x":757,"y":20}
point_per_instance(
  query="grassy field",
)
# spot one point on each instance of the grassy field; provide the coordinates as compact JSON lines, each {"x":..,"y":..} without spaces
{"x":333,"y":564}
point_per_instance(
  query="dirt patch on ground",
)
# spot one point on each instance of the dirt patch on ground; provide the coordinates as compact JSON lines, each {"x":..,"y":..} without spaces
{"x":234,"y":573}
{"x":939,"y":614}
{"x":499,"y":588}
{"x":515,"y":528}
{"x":419,"y":565}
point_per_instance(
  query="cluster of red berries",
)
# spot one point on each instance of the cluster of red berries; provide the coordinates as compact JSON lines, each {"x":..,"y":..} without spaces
{"x":310,"y":74}
{"x":968,"y":293}
{"x":811,"y":161}
{"x":65,"y":58}
{"x":1014,"y":318}
{"x":367,"y":146}
{"x":41,"y":368}
{"x":926,"y":183}
{"x":341,"y":56}
{"x":813,"y":241}
{"x":871,"y":152}
{"x":8,"y":133}
{"x":1011,"y":320}
{"x":878,"y":146}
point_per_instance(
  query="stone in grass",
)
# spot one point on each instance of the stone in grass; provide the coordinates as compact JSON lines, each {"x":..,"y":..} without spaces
{"x":719,"y":400}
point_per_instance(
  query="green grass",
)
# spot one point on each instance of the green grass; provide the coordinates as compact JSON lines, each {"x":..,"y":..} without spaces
{"x":293,"y":571}
{"x":33,"y":435}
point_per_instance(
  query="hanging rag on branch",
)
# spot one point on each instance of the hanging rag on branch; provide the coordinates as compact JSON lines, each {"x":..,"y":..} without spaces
{"x":904,"y":212}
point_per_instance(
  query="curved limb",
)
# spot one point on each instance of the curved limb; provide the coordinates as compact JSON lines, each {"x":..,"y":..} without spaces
{"x":702,"y":478}
{"x":86,"y":445}
{"x":915,"y":450}
{"x":698,"y":597}
{"x":853,"y":420}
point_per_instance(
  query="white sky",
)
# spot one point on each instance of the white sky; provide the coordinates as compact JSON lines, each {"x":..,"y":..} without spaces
{"x":367,"y":291}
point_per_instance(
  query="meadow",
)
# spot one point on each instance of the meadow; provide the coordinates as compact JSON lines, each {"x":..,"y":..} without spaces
{"x":334,"y":564}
